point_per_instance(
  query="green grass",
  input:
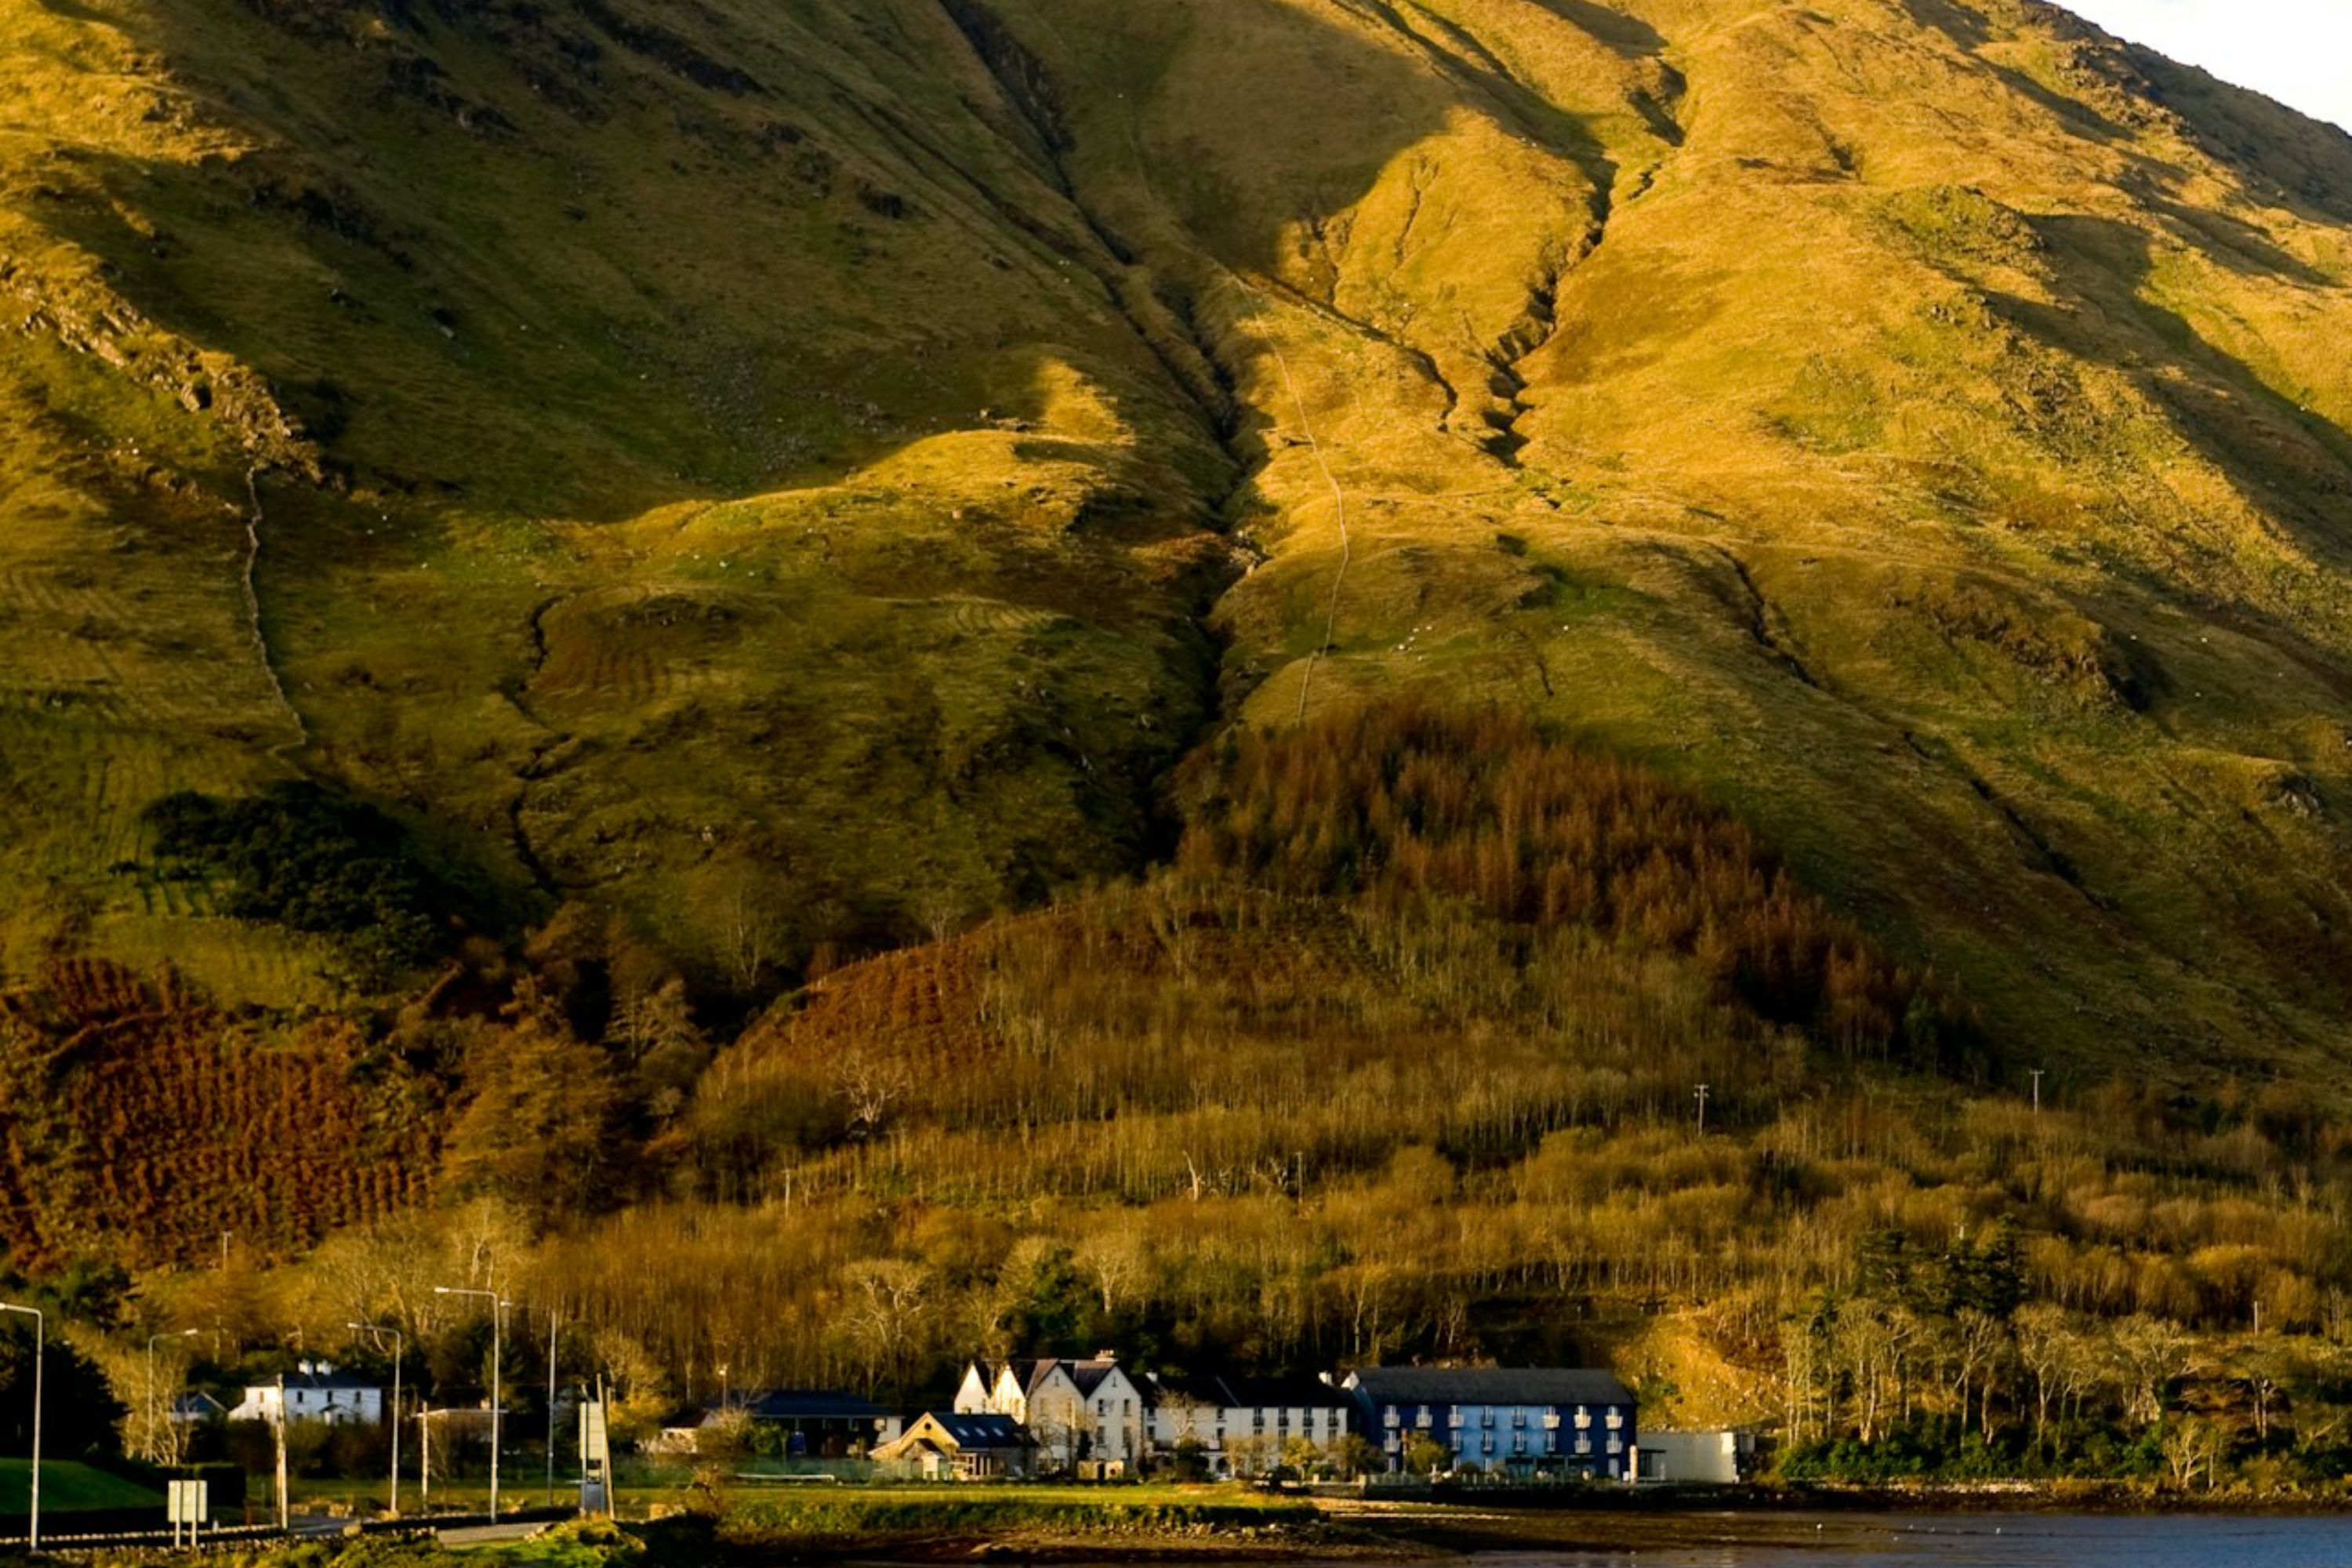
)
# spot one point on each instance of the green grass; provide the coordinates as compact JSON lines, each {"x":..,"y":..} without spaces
{"x":68,"y":1487}
{"x":997,"y":1509}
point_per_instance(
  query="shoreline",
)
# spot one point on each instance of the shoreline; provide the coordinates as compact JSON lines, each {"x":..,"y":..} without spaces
{"x":1444,"y":1528}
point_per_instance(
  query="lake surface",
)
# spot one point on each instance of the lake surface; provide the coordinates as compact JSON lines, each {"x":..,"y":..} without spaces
{"x":1965,"y":1540}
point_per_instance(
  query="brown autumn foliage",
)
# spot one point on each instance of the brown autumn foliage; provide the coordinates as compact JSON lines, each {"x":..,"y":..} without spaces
{"x":1399,"y":805}
{"x":140,"y":1119}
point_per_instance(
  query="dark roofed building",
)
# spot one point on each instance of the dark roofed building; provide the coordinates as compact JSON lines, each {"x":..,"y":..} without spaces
{"x":1507,"y":1420}
{"x":820,"y":1423}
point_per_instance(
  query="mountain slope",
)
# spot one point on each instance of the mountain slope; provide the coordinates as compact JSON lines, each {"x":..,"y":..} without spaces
{"x":787,"y":475}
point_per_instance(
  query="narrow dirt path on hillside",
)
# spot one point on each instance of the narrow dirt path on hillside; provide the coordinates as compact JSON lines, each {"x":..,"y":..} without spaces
{"x":253,"y":522}
{"x":1339,"y":515}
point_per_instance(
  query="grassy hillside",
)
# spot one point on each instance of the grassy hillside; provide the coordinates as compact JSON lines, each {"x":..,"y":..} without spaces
{"x":786,"y":478}
{"x":822,"y":637}
{"x":69,"y":1488}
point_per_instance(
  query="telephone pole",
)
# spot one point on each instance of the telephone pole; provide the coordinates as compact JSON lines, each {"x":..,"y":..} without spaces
{"x":1702,"y":1109}
{"x":2035,"y":1074}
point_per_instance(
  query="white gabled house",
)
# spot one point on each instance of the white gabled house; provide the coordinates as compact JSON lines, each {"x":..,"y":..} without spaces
{"x":1080,"y":1414}
{"x":315,"y":1390}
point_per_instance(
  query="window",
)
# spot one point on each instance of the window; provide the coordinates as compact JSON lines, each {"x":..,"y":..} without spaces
{"x":1421,"y":1417}
{"x":1584,"y":1445}
{"x":1520,"y":1419}
{"x":1583,"y":1421}
{"x":1551,"y":1421}
{"x":1389,"y":1417}
{"x":1616,"y":1419}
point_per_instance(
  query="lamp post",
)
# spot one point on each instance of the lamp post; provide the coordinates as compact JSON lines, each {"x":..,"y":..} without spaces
{"x":40,"y":1352}
{"x":154,"y":1414}
{"x":399,"y":1342}
{"x":498,"y":1334}
{"x":552,"y":1324}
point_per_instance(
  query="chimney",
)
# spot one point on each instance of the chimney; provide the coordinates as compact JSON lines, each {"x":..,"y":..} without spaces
{"x":1111,"y":1356}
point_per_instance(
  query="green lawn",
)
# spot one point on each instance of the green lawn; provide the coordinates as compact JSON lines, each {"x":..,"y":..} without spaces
{"x":66,"y":1486}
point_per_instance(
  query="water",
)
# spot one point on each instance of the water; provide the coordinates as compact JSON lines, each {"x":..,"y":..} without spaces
{"x":1964,"y":1541}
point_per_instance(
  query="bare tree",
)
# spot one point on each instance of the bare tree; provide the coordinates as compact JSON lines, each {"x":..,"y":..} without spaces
{"x":869,"y":1083}
{"x":2150,"y":1352}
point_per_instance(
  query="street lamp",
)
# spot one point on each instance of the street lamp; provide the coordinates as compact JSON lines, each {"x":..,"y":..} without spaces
{"x":497,"y":1334}
{"x":398,"y":1342}
{"x":155,"y":1415}
{"x":40,"y":1351}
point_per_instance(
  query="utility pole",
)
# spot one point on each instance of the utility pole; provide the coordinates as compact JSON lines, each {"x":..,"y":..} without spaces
{"x":1702,"y":1110}
{"x":498,"y":1339}
{"x":424,"y":1454}
{"x":285,"y":1504}
{"x":155,"y":1415}
{"x":40,"y":1354}
{"x":550,"y":1406}
{"x":2035,"y":1073}
{"x":399,"y":1342}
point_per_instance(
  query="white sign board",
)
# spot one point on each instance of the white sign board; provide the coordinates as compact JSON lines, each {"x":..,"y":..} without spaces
{"x":188,"y":1501}
{"x":595,"y":1460}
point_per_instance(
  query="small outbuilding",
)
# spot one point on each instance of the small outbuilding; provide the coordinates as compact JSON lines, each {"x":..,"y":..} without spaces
{"x":1694,"y":1459}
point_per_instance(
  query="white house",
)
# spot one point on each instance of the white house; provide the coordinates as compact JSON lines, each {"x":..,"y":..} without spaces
{"x":315,"y":1390}
{"x":1078,"y":1413}
{"x":1243,"y":1426}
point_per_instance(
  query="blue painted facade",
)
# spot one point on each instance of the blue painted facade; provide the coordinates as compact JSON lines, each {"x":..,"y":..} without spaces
{"x":1517,"y":1421}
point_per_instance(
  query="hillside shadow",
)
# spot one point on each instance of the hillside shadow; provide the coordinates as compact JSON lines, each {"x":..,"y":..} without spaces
{"x":2219,"y":235}
{"x":2217,"y":403}
{"x":402,"y":331}
{"x":2296,"y":163}
{"x":1970,"y":33}
{"x":1628,"y":36}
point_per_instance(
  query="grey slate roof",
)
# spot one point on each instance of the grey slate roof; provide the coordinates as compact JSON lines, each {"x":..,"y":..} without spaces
{"x":1490,"y":1386}
{"x":1087,"y":1375}
{"x":980,"y":1431}
{"x":809,"y":1404}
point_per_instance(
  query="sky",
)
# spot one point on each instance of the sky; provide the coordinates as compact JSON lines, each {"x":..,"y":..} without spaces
{"x":2297,"y":51}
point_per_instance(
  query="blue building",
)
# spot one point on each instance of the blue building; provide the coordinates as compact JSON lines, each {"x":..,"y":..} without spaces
{"x":1516,"y":1421}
